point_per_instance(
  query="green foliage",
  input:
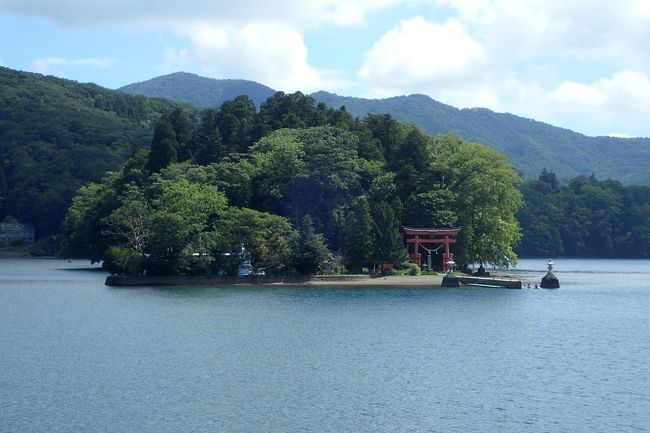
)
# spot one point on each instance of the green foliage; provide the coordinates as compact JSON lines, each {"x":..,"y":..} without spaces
{"x":311,"y":251}
{"x":208,"y":145}
{"x":268,"y":238}
{"x":586,"y":217}
{"x":343,"y":186}
{"x":236,"y":121}
{"x":358,"y":242}
{"x":164,"y":146}
{"x":56,"y":135}
{"x":389,"y":245}
{"x":486,"y":194}
{"x":435,"y":208}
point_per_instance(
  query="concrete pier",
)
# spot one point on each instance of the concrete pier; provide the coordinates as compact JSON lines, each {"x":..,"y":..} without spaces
{"x":505,"y":282}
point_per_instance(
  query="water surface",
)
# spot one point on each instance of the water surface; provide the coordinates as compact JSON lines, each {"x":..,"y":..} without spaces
{"x":79,"y":356}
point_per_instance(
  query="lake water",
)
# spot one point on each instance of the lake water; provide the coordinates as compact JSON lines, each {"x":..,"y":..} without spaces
{"x":77,"y":356}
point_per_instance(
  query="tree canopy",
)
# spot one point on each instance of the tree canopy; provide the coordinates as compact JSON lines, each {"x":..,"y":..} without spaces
{"x":585,"y":218}
{"x":289,"y":188}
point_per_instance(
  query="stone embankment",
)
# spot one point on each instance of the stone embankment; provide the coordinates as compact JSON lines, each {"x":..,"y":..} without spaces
{"x":429,"y":281}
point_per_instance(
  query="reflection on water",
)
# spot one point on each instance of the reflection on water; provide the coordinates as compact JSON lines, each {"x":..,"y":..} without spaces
{"x":79,"y":356}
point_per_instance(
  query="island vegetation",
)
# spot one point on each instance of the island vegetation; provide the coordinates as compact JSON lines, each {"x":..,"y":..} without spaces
{"x":295,"y":184}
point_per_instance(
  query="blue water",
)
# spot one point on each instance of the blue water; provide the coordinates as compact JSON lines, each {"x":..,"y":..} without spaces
{"x":77,"y":356}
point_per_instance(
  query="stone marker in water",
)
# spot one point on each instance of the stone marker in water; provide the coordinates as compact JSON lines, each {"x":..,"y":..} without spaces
{"x":550,"y":281}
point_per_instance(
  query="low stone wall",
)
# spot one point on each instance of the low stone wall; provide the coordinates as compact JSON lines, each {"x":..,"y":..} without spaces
{"x":124,"y":280}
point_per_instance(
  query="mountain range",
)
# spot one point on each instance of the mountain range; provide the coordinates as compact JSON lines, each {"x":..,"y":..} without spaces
{"x":530,"y":145}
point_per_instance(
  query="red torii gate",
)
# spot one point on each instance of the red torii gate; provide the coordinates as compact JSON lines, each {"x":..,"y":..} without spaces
{"x":418,"y":237}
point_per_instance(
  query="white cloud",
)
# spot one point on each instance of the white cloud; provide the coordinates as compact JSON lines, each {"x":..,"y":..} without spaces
{"x":301,"y":13}
{"x":625,"y":92}
{"x":266,"y":52}
{"x":419,"y":55}
{"x":43,"y":65}
{"x":1,"y":64}
{"x":594,"y":30}
{"x":526,"y":57}
{"x":620,"y":102}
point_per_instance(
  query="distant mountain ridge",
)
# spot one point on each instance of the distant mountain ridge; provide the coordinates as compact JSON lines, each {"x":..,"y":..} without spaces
{"x":199,"y":91}
{"x":531,"y":145}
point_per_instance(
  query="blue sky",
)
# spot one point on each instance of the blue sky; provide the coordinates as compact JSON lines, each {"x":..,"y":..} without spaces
{"x":580,"y":65}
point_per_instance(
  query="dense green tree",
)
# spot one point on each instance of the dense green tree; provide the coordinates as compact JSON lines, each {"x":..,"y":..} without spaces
{"x":269,"y":239}
{"x":294,"y":111}
{"x":82,"y":227}
{"x":164,"y":146}
{"x":388,"y":241}
{"x":236,"y":120}
{"x":184,"y":133}
{"x":329,"y":178}
{"x":358,"y":240}
{"x":311,"y":251}
{"x":235,"y":179}
{"x":487,"y":198}
{"x":208,"y":146}
{"x":435,"y":208}
{"x":278,"y":159}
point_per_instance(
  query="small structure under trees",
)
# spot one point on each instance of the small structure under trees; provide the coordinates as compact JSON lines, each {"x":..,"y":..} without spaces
{"x":418,"y":239}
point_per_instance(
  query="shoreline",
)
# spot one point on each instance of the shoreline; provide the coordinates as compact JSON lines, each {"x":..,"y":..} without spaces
{"x":315,"y":280}
{"x":406,"y":281}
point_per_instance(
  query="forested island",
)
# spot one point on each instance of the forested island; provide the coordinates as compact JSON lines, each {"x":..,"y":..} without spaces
{"x":296,"y":185}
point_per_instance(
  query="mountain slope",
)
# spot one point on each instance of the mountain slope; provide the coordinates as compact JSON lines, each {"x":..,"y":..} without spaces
{"x":57,"y":134}
{"x":531,"y":145}
{"x":199,"y":91}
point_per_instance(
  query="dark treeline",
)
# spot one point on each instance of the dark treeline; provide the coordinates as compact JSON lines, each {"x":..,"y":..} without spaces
{"x":292,"y":183}
{"x":585,"y":218}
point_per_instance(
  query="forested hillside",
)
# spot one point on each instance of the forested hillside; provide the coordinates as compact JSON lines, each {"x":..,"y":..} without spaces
{"x":584,"y":218}
{"x":56,"y":135}
{"x":199,"y":91}
{"x":530,"y":145}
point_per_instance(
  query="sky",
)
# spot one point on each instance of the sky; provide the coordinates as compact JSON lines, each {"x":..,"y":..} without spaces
{"x":582,"y":65}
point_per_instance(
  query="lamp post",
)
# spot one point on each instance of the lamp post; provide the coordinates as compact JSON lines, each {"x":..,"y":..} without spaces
{"x":450,"y":280}
{"x":550,"y":281}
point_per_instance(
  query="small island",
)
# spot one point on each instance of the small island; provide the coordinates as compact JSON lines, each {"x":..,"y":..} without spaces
{"x":294,"y":190}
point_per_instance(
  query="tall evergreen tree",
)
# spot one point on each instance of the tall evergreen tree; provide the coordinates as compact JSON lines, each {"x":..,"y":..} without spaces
{"x":183,"y":131}
{"x":208,"y":146}
{"x":236,"y":120}
{"x":311,"y":250}
{"x":358,"y":240}
{"x":164,"y":147}
{"x":389,"y":243}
